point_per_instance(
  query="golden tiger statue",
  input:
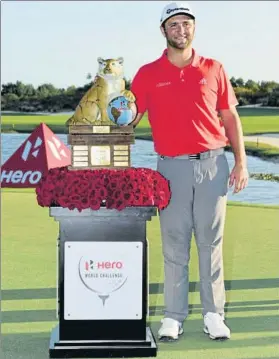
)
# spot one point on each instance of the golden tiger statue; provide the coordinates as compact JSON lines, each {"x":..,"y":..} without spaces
{"x":108,"y":83}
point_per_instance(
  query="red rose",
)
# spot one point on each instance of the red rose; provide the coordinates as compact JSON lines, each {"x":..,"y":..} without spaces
{"x":85,"y":203}
{"x":129,"y":199}
{"x":44,"y":201}
{"x":84,"y":185}
{"x":120,"y":205}
{"x":75,"y":199}
{"x":110,"y":203}
{"x":64,"y":201}
{"x":94,"y":204}
{"x":114,"y":188}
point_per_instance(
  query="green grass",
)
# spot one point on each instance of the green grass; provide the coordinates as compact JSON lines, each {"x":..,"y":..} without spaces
{"x":266,"y":124}
{"x":257,"y":120}
{"x":261,"y":150}
{"x":21,"y":114}
{"x":251,"y":251}
{"x":29,"y":123}
{"x":34,"y":120}
{"x":254,"y":121}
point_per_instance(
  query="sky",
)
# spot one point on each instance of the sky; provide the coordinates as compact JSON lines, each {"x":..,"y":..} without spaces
{"x":59,"y":42}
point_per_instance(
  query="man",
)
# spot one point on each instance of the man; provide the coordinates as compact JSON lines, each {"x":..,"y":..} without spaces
{"x":184,"y":95}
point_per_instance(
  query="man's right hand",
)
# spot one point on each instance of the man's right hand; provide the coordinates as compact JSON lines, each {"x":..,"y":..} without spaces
{"x":137,"y":119}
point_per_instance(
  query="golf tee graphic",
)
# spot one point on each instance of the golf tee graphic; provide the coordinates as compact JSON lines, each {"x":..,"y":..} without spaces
{"x":41,"y":151}
{"x":102,"y":277}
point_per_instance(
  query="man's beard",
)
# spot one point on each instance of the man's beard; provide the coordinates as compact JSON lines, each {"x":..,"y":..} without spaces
{"x":178,"y":44}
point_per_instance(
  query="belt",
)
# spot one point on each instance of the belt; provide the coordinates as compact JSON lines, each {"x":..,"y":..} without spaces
{"x":196,"y":156}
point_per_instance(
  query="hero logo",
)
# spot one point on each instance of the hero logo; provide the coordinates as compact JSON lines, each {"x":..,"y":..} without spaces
{"x":28,"y":147}
{"x":102,"y":265}
{"x":20,"y":177}
{"x":103,"y":277}
{"x":54,"y":146}
{"x":169,"y":11}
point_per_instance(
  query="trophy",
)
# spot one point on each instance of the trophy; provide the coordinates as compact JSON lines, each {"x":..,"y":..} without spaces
{"x":103,"y":252}
{"x":100,"y":130}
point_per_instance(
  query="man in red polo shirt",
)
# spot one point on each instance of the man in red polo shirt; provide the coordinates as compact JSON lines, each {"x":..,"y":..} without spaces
{"x":192,"y":114}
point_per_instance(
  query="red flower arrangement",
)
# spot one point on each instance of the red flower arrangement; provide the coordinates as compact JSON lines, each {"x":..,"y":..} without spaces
{"x":109,"y":188}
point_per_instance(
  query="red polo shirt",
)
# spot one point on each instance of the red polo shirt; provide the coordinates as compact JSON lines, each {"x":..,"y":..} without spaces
{"x":183,"y":104}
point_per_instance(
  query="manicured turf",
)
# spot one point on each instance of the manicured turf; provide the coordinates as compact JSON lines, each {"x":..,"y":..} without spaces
{"x":251,"y":252}
{"x":261,"y":150}
{"x":29,"y":123}
{"x":254,"y":120}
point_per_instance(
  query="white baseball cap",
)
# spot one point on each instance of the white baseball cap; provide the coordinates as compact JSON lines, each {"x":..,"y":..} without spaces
{"x":175,"y":8}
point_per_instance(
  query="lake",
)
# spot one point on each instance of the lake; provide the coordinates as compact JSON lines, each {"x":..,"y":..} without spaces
{"x":143,"y":155}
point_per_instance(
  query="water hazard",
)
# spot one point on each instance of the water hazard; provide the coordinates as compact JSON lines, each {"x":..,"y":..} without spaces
{"x":143,"y":155}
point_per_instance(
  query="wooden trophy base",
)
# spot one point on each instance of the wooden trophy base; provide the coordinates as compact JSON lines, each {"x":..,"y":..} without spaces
{"x":98,"y":146}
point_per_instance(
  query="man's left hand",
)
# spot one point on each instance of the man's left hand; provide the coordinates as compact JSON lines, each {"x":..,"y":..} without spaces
{"x":239,"y":178}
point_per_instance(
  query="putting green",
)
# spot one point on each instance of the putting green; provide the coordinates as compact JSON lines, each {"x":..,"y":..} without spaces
{"x":251,"y":251}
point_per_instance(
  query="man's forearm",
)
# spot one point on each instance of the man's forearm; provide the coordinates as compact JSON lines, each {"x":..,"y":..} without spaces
{"x":234,"y":133}
{"x":137,"y":119}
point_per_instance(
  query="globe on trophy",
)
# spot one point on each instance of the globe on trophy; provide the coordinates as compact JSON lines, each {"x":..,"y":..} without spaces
{"x":121,"y":111}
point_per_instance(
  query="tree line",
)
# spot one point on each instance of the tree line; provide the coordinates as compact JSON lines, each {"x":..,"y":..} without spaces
{"x":47,"y":98}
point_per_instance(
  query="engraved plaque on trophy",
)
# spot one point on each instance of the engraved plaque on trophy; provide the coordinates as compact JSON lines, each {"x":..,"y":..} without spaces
{"x":100,"y":156}
{"x":101,"y":129}
{"x":99,"y":149}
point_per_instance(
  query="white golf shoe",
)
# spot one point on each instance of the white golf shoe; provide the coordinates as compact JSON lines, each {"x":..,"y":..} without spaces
{"x":215,"y":327}
{"x":170,"y":330}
